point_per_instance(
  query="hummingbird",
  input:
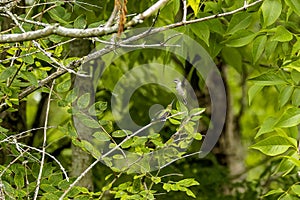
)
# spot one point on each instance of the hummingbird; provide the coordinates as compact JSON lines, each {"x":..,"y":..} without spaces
{"x":180,"y":88}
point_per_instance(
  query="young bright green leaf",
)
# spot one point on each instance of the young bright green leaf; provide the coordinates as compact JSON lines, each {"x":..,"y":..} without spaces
{"x":188,"y":182}
{"x":194,"y":5}
{"x":282,"y":34}
{"x":285,"y":95}
{"x":174,"y":121}
{"x":273,"y":145}
{"x":267,"y":126}
{"x":290,"y":118}
{"x":197,"y":136}
{"x":83,"y":101}
{"x":190,"y":193}
{"x":271,"y":10}
{"x":258,"y":47}
{"x":155,"y":180}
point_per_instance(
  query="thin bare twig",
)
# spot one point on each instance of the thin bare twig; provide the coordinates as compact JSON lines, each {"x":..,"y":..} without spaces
{"x":184,"y":11}
{"x":38,"y":182}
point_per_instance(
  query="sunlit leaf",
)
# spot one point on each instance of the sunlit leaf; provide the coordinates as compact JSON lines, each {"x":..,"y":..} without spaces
{"x":273,"y":145}
{"x":271,"y":10}
{"x":282,"y":34}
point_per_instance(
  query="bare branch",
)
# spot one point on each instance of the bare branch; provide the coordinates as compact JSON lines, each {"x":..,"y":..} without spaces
{"x":44,"y":144}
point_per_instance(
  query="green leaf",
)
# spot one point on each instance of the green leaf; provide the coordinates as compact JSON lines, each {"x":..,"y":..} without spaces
{"x":58,"y":14}
{"x":282,"y":34}
{"x":80,"y":22}
{"x":238,"y":22}
{"x":48,"y":188}
{"x":268,"y":79}
{"x":240,"y":38}
{"x":71,"y":96}
{"x":228,"y":54}
{"x":188,"y":182}
{"x":167,"y":187}
{"x":258,"y":47}
{"x":7,"y":73}
{"x":271,"y":10}
{"x":296,"y":189}
{"x":88,"y":121}
{"x":128,"y":143}
{"x":98,"y":108}
{"x":296,"y":97}
{"x":121,"y":133}
{"x":101,"y":136}
{"x":139,"y":141}
{"x":64,"y":86}
{"x":30,"y":77}
{"x":273,"y":145}
{"x":27,"y":59}
{"x":270,"y":48}
{"x":201,"y":30}
{"x":285,"y":167}
{"x":267,"y":126}
{"x":43,"y":57}
{"x":197,"y":136}
{"x":83,"y":101}
{"x":272,"y":192}
{"x":174,"y":121}
{"x":189,"y":192}
{"x":285,"y":95}
{"x":155,"y":180}
{"x":253,"y":90}
{"x":19,"y":180}
{"x":295,"y":5}
{"x":295,"y":76}
{"x":290,"y":118}
{"x":295,"y":161}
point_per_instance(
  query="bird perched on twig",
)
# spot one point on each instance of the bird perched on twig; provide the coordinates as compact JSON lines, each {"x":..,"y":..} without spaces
{"x":180,"y":88}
